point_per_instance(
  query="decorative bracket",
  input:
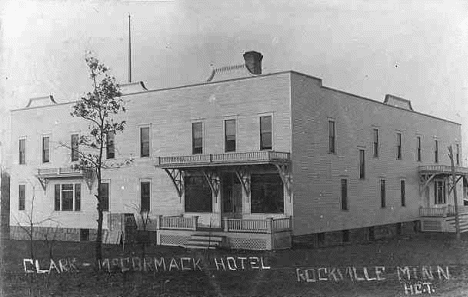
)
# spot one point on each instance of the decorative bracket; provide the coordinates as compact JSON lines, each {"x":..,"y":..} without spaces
{"x":88,"y":176}
{"x":43,"y":181}
{"x":424,"y":181}
{"x":177,"y":177}
{"x":242,"y":175}
{"x":284,"y":171}
{"x":451,"y":184}
{"x":212,"y":177}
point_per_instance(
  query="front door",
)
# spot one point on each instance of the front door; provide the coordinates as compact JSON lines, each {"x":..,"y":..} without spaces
{"x":231,"y":195}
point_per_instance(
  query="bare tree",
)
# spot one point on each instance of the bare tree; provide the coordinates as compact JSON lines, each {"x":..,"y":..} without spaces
{"x":99,"y":108}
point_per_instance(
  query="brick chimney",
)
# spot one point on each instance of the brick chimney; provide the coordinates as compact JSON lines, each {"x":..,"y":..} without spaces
{"x":253,"y":62}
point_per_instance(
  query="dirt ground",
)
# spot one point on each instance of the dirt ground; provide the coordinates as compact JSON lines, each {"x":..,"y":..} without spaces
{"x":424,"y":265}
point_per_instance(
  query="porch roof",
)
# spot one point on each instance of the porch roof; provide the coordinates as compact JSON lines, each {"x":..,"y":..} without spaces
{"x":224,"y":159}
{"x":428,"y":172}
{"x":46,"y":174}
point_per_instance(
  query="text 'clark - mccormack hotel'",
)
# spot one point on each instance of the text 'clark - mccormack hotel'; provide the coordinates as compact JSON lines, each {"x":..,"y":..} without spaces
{"x":244,"y":160}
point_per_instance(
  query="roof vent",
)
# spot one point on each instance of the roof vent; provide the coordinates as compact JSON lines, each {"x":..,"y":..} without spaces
{"x":41,"y":101}
{"x":398,"y":102}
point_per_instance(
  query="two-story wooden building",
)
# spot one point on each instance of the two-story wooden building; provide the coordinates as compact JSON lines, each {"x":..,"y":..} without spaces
{"x":248,"y":159}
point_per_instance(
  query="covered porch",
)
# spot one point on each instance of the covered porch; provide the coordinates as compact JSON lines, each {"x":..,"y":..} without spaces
{"x":436,"y":187}
{"x":245,"y":198}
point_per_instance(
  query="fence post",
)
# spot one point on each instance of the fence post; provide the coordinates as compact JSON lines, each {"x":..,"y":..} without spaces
{"x":269,"y":225}
{"x":225,"y":223}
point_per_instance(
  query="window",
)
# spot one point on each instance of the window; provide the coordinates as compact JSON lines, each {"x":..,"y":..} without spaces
{"x":198,"y":196}
{"x":403,"y":192}
{"x":266,"y":193}
{"x":22,"y":197}
{"x":22,"y":151}
{"x":344,"y":194}
{"x":345,"y":235}
{"x":331,"y":137}
{"x":398,"y":154}
{"x":67,"y":197}
{"x":145,"y":196}
{"x":110,"y":148}
{"x":362,"y":165}
{"x":458,"y":154}
{"x":197,"y":138}
{"x":105,"y":196}
{"x":376,"y":142}
{"x":144,"y":142}
{"x":74,"y":147}
{"x":45,"y":149}
{"x":265,"y":133}
{"x":418,"y":143}
{"x":436,"y":151}
{"x":383,"y":194}
{"x":439,"y":192}
{"x":230,"y":135}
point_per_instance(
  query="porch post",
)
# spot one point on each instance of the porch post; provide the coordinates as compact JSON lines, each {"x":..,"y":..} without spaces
{"x":195,"y":222}
{"x":225,"y":224}
{"x":269,"y":225}
{"x":158,"y":222}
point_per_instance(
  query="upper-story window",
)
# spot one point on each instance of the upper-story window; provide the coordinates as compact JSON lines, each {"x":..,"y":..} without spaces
{"x":74,"y":147}
{"x":110,"y":145}
{"x":230,"y":135}
{"x":331,"y":137}
{"x":145,"y":195}
{"x":67,"y":197}
{"x":457,"y":155}
{"x":45,"y":149}
{"x":22,"y":197}
{"x":22,"y":150}
{"x":362,"y":164}
{"x":398,"y":153}
{"x":266,"y":142}
{"x":375,"y":143}
{"x":383,"y":194}
{"x":436,"y":151}
{"x":144,"y":141}
{"x":197,"y":138}
{"x":418,"y":148}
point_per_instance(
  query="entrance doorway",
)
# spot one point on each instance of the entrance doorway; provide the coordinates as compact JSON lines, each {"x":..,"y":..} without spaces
{"x":231,"y":195}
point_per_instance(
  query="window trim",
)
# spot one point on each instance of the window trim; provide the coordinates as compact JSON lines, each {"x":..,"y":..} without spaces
{"x":108,"y":182}
{"x":331,"y":136}
{"x":399,"y":143}
{"x":383,"y":192}
{"x":271,"y":133}
{"x":21,"y":206}
{"x":149,"y":126}
{"x":344,"y":198}
{"x":49,"y":155}
{"x":225,"y":135}
{"x":76,"y":207}
{"x":362,"y":164}
{"x":418,"y":148}
{"x":145,"y":180}
{"x":403,"y":192}
{"x":107,"y":146}
{"x":375,"y":142}
{"x":77,"y":147}
{"x":22,"y":161}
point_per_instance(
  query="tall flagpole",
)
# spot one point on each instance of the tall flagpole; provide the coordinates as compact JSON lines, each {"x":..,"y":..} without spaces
{"x":129,"y":52}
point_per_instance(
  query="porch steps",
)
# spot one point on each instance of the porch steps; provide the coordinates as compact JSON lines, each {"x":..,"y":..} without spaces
{"x":205,"y":241}
{"x":463,"y":222}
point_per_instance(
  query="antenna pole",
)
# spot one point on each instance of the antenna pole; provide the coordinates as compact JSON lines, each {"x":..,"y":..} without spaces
{"x":129,"y":52}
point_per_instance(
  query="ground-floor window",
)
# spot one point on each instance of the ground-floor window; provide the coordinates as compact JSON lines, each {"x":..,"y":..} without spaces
{"x":67,"y":197}
{"x":439,"y":192}
{"x":267,"y":193}
{"x":198,"y":196}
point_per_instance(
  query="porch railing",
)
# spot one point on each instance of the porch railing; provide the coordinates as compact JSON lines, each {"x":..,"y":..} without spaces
{"x":268,"y":225}
{"x":178,"y":222}
{"x":58,"y":171}
{"x":448,"y":210}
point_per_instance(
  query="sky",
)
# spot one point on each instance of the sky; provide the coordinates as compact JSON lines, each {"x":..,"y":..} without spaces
{"x":417,"y":50}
